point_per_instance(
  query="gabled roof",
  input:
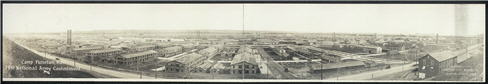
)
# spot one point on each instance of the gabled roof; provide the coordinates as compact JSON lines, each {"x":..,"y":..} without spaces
{"x":208,"y":50}
{"x":189,"y":58}
{"x":444,"y":55}
{"x":137,"y":54}
{"x":105,"y":50}
{"x":245,"y":57}
{"x":206,"y":65}
{"x":88,"y":48}
{"x":243,"y":49}
{"x":164,"y":61}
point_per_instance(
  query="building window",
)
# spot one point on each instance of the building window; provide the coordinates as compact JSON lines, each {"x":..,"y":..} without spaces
{"x":432,"y":62}
{"x":423,"y":62}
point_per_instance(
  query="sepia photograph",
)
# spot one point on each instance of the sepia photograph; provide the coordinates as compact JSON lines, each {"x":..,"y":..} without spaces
{"x":243,"y":42}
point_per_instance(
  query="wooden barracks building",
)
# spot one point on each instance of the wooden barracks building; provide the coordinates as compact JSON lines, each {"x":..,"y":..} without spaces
{"x":138,"y":57}
{"x":432,"y":64}
{"x":244,"y":63}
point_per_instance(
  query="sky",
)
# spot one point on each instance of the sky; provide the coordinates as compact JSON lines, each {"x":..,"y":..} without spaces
{"x":344,"y":18}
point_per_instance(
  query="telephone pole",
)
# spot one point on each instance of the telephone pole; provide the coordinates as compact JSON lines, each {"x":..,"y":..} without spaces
{"x":321,"y":72}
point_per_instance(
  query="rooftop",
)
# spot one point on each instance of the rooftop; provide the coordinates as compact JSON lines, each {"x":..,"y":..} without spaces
{"x":243,"y":49}
{"x":88,"y":48}
{"x":208,"y":50}
{"x":188,"y":58}
{"x":105,"y":50}
{"x":137,"y":54}
{"x":206,"y":65}
{"x":245,"y":57}
{"x":444,"y":55}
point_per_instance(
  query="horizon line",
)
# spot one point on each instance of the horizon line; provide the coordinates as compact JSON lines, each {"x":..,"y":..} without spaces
{"x":282,"y":31}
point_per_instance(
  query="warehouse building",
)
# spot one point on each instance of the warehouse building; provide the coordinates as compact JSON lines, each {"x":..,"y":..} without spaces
{"x":144,"y":48}
{"x":228,"y":52}
{"x":170,"y":51}
{"x":104,"y":52}
{"x":172,"y":66}
{"x":83,"y":50}
{"x":205,"y":67}
{"x":210,"y":51}
{"x":138,"y":57}
{"x":191,"y":61}
{"x":245,"y":63}
{"x":432,"y":63}
{"x":104,"y":55}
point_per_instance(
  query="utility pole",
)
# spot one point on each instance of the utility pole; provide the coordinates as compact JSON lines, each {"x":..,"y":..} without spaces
{"x":242,"y":72}
{"x":74,"y":63}
{"x":189,"y":71}
{"x":338,"y":69}
{"x":333,"y":36}
{"x":90,"y":67}
{"x":321,"y":72}
{"x":416,"y":54}
{"x":403,"y":62}
{"x":267,"y":72}
{"x":140,"y":73}
{"x":91,"y":57}
{"x":437,"y":38}
{"x":372,"y":76}
{"x":213,"y":74}
{"x":156,"y":71}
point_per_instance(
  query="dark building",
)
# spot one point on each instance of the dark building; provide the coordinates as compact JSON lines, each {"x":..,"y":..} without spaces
{"x":191,"y":61}
{"x":138,"y":57}
{"x":173,"y":66}
{"x":186,"y":63}
{"x":246,"y":62}
{"x":431,"y":64}
{"x":104,"y":55}
{"x":170,"y":51}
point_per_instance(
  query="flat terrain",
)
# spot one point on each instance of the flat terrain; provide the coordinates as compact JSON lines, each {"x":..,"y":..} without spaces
{"x":13,"y":55}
